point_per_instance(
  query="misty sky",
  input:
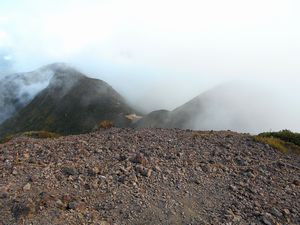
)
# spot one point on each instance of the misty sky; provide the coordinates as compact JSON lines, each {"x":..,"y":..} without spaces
{"x":162,"y":52}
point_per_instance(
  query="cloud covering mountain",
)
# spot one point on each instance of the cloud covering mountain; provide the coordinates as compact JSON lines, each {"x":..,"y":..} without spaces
{"x":161,"y":54}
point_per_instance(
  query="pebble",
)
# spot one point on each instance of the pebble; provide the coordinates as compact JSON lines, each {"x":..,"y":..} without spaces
{"x":27,"y":187}
{"x":69,"y":171}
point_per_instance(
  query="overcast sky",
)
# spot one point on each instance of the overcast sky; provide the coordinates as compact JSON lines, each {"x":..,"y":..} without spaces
{"x":158,"y":48}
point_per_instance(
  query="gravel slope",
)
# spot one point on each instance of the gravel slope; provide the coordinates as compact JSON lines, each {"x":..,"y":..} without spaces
{"x":147,"y":176}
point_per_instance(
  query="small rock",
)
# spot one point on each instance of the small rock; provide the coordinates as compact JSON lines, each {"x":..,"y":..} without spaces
{"x":122,"y":179}
{"x":27,"y":187}
{"x":72,"y":205}
{"x":67,"y":198}
{"x":69,"y":171}
{"x":93,"y":171}
{"x":242,"y":162}
{"x":143,"y":170}
{"x":266,"y":221}
{"x":157,"y":169}
{"x":95,"y":184}
{"x":149,"y":172}
{"x":122,"y":157}
{"x":205,"y":168}
{"x":286,"y":211}
{"x":296,"y":182}
{"x":236,"y":218}
{"x":26,"y":156}
{"x":249,"y":174}
{"x":45,"y":199}
{"x":3,"y":195}
{"x":233,"y":188}
{"x":60,"y":204}
{"x":197,"y":182}
{"x":139,"y":158}
{"x":276,"y":212}
{"x":179,"y":154}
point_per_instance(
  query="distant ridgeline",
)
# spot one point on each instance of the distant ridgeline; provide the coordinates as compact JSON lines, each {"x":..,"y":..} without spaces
{"x":72,"y":103}
{"x":68,"y":102}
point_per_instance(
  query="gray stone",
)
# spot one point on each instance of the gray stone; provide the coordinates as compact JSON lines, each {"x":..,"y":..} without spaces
{"x":72,"y":205}
{"x":266,"y":221}
{"x":276,"y":212}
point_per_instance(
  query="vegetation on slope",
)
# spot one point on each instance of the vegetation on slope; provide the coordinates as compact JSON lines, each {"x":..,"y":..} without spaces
{"x":284,"y":140}
{"x":32,"y":134}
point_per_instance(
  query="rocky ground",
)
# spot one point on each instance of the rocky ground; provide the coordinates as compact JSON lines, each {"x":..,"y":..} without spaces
{"x":148,"y":176}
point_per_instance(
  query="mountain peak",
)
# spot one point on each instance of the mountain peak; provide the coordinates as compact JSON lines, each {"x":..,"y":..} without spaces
{"x":64,"y":76}
{"x":57,"y":66}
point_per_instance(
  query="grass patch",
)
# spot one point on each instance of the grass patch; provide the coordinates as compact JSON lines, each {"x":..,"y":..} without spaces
{"x":273,"y":142}
{"x":40,"y":134}
{"x":201,"y":134}
{"x":285,"y":135}
{"x":31,"y":134}
{"x":285,"y":140}
{"x":105,"y":124}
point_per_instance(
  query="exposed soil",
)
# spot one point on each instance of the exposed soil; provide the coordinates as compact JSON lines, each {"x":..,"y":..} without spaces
{"x":148,"y":176}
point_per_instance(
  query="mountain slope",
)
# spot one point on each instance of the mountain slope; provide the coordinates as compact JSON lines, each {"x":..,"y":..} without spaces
{"x":72,"y":103}
{"x":180,"y":117}
{"x":235,"y":106}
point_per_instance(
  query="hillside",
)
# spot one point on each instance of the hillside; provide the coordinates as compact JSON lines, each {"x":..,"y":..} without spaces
{"x":234,"y":106}
{"x":182,"y":117}
{"x":72,"y":103}
{"x":148,"y":176}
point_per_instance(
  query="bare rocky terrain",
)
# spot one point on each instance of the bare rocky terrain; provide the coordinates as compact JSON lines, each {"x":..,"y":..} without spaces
{"x":148,"y":176}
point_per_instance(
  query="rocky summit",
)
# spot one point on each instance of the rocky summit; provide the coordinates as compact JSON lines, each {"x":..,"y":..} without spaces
{"x":148,"y":176}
